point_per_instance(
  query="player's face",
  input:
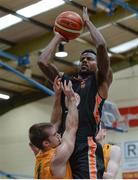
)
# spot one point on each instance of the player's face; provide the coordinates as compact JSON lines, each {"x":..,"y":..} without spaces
{"x":88,"y":62}
{"x":54,"y":138}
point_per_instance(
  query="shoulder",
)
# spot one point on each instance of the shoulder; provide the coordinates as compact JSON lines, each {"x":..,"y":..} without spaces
{"x":106,"y":149}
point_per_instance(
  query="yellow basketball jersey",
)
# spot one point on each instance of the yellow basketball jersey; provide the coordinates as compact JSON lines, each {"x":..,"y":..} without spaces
{"x":106,"y":153}
{"x":43,"y":163}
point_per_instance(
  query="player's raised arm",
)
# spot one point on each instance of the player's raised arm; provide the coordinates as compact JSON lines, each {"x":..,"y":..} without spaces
{"x":49,"y":69}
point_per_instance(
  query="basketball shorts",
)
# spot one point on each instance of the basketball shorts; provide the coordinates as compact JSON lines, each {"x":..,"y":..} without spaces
{"x":87,"y":160}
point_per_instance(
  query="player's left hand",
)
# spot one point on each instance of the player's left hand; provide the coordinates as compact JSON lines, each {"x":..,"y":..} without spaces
{"x":85,"y":15}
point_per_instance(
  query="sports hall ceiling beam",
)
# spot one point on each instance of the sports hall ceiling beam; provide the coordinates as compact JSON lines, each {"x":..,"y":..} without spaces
{"x":79,"y":6}
{"x":7,"y":42}
{"x":35,"y":22}
{"x":17,"y":84}
{"x":32,"y":45}
{"x":100,"y":19}
{"x":125,"y":64}
{"x":4,"y":89}
{"x":127,"y":28}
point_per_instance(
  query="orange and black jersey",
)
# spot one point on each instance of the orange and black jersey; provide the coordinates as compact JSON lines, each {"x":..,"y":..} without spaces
{"x":106,"y":152}
{"x":43,"y":166}
{"x":90,"y":109}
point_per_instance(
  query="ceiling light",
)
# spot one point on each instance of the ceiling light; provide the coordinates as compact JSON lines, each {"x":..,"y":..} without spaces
{"x":9,"y":20}
{"x":125,"y":46}
{"x":61,"y":52}
{"x":29,"y":11}
{"x":4,"y":96}
{"x":39,"y":7}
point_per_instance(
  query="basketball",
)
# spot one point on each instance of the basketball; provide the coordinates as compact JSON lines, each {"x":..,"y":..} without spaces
{"x":69,"y":24}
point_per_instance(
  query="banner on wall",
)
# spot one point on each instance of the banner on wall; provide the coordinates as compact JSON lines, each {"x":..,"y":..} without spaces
{"x":119,"y":119}
{"x":130,"y":164}
{"x":131,"y":114}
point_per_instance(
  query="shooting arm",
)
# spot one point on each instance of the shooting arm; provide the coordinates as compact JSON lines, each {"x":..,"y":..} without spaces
{"x":47,"y":68}
{"x":103,"y":61}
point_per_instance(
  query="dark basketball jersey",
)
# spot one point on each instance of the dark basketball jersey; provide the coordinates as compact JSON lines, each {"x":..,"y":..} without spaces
{"x":89,"y":108}
{"x":84,"y":157}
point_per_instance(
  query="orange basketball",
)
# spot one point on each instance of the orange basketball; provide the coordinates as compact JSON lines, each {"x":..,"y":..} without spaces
{"x":69,"y":24}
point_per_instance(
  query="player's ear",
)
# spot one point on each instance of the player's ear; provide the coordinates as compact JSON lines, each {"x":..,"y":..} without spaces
{"x":45,"y":144}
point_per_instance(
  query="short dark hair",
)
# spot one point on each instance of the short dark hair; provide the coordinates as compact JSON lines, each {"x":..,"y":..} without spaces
{"x":88,"y":51}
{"x":38,"y":133}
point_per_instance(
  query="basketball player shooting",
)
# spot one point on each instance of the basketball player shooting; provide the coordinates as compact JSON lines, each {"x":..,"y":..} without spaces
{"x":92,"y":84}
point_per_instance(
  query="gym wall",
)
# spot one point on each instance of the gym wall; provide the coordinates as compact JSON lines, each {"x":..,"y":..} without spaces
{"x":15,"y":154}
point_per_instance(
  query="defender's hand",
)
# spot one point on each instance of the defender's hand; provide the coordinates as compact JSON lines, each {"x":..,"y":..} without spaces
{"x":57,"y":85}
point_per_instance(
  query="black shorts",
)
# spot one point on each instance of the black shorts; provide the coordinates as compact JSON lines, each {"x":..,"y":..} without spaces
{"x":87,"y":160}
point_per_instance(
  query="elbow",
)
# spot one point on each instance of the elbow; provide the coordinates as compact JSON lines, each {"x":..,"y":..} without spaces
{"x":41,"y":63}
{"x":102,"y":45}
{"x":41,"y":60}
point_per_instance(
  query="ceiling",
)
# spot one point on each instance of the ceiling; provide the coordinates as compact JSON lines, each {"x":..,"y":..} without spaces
{"x":33,"y":34}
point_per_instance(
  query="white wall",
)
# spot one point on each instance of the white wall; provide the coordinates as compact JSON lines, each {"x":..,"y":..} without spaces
{"x":124,"y":89}
{"x":121,"y":138}
{"x":124,"y":92}
{"x":15,"y":155}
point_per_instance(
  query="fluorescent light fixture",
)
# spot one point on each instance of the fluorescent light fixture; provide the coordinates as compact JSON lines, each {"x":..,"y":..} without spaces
{"x":39,"y":7}
{"x":8,"y":20}
{"x":61,"y":54}
{"x":29,"y":11}
{"x":4,"y":96}
{"x":125,"y":46}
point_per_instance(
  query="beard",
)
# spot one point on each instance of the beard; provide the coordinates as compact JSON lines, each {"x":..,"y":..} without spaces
{"x":85,"y":72}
